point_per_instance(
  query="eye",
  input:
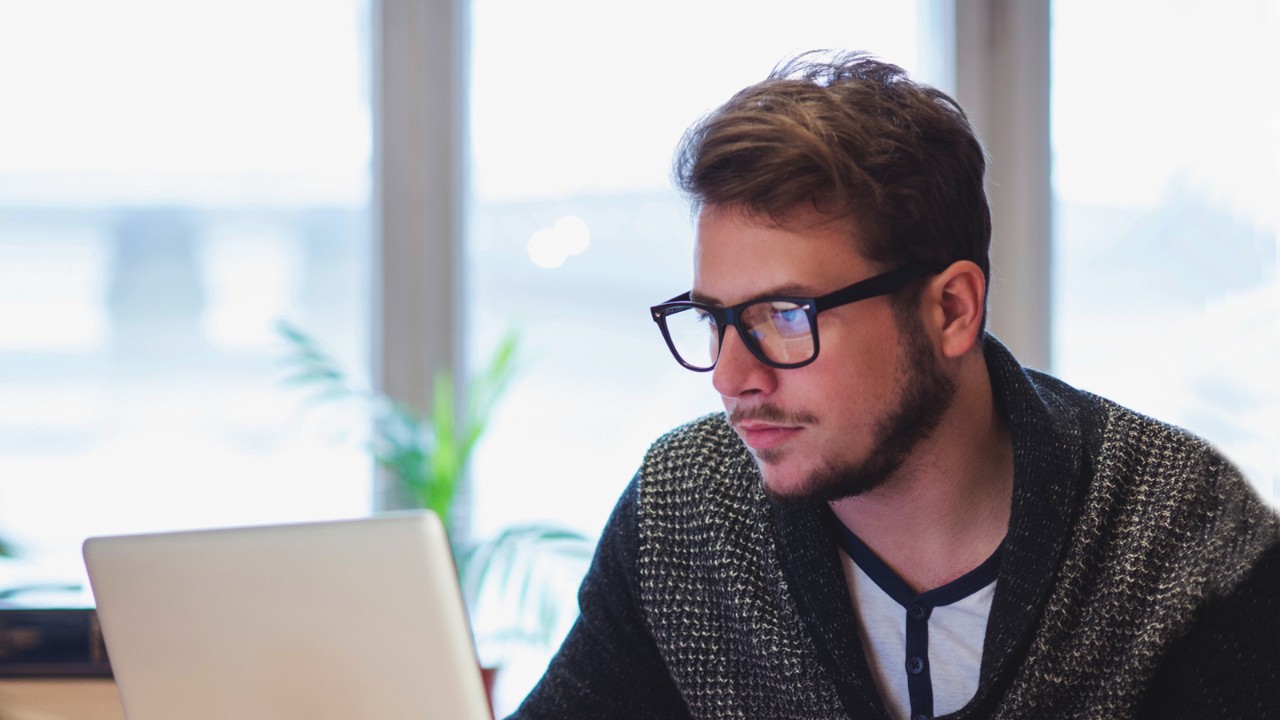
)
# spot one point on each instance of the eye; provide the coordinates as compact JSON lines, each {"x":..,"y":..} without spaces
{"x":704,"y":317}
{"x":787,"y":314}
{"x":789,"y":319}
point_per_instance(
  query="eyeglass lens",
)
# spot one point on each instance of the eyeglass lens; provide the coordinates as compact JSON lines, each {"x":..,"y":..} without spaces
{"x":778,"y":330}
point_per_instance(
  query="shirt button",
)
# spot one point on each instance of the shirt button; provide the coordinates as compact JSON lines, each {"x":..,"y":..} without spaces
{"x":915,"y":665}
{"x":918,"y":611}
{"x":920,"y":717}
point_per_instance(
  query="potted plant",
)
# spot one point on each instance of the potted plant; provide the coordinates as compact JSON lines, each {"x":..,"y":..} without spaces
{"x":517,"y":575}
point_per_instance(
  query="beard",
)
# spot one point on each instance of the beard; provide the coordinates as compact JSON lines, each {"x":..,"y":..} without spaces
{"x":925,"y":395}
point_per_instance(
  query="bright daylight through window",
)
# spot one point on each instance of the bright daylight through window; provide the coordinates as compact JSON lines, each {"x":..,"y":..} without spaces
{"x":174,"y":178}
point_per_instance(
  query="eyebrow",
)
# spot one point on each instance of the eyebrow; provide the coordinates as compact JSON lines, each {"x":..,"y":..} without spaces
{"x":790,"y":290}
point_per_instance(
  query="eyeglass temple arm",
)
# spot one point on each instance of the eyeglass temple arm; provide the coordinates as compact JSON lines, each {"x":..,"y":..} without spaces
{"x":882,"y":284}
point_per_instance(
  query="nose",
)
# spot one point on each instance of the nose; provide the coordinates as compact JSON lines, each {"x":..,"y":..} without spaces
{"x":738,"y":373}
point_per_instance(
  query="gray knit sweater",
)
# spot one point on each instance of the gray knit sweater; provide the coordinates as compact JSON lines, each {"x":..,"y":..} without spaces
{"x":1140,"y":578}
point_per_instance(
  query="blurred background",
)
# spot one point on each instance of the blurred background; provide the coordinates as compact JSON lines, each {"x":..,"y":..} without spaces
{"x":178,"y":176}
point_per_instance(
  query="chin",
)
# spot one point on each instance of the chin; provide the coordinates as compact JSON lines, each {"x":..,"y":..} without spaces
{"x":823,"y":483}
{"x":784,"y":491}
{"x":790,"y":485}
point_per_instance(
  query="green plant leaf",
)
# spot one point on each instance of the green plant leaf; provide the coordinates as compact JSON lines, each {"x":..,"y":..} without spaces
{"x":428,"y":454}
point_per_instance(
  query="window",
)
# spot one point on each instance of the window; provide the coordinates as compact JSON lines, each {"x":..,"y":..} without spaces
{"x":174,"y":178}
{"x":1166,"y":155}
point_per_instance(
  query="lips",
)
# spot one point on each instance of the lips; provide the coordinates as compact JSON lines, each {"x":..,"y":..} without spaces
{"x":763,"y":436}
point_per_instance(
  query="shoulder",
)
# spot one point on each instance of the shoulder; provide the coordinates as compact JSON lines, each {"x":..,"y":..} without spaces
{"x":1143,"y":489}
{"x":1146,"y":455}
{"x":1164,"y":504}
{"x":1183,"y":464}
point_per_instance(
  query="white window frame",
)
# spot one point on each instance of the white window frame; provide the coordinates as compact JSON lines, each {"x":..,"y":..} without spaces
{"x":419,"y":105}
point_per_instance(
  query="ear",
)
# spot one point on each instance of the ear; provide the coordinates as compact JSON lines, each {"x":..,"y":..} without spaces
{"x":958,"y":299}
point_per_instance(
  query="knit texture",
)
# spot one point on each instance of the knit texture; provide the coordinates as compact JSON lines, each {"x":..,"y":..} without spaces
{"x":712,"y":584}
{"x":1123,"y":531}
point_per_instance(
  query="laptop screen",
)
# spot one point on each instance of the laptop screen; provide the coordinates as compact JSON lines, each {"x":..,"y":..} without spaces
{"x":339,"y":619}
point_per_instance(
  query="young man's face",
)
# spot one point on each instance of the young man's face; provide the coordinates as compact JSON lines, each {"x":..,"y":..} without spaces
{"x":846,"y":422}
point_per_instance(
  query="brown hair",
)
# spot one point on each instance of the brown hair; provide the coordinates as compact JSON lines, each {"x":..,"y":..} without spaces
{"x":856,"y":139}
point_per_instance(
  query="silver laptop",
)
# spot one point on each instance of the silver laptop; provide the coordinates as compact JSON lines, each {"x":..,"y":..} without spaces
{"x":342,"y":619}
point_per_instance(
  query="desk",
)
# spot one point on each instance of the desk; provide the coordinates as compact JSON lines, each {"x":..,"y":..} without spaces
{"x":59,"y":699}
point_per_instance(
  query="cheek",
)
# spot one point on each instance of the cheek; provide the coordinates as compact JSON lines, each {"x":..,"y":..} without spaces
{"x":850,"y":384}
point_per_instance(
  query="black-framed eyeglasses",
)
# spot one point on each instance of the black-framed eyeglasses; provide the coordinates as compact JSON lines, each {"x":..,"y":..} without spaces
{"x":781,"y":332}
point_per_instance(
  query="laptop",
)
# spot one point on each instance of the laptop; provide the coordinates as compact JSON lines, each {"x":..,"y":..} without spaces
{"x":340,"y":619}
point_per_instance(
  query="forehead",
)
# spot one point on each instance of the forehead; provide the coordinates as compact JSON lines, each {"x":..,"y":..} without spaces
{"x":738,"y":255}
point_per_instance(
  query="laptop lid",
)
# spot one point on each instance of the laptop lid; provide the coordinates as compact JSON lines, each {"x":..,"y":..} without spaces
{"x":342,"y":619}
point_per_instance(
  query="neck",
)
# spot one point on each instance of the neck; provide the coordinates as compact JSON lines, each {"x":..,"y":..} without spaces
{"x":947,"y":508}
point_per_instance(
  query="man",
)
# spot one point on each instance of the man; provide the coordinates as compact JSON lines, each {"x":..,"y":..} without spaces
{"x":892,"y":518}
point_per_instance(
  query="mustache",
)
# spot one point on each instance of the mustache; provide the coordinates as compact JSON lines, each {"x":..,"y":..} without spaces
{"x":770,"y":414}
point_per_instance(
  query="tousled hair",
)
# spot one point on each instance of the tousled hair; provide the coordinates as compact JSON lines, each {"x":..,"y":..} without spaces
{"x":853,"y":138}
